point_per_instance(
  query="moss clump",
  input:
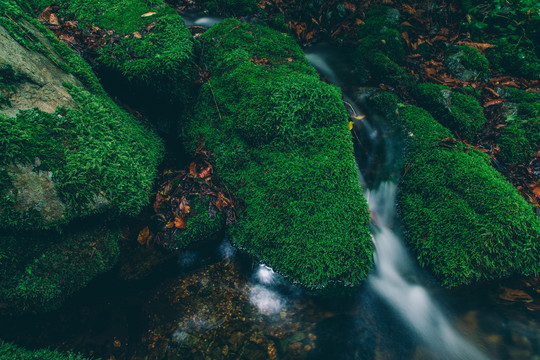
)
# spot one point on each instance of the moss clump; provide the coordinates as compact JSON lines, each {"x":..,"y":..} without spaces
{"x":458,"y":112}
{"x":201,"y":224}
{"x":39,"y":271}
{"x":515,"y":56}
{"x":466,"y":62}
{"x":519,"y":141}
{"x":521,"y":138}
{"x":98,"y":158}
{"x":11,"y":352}
{"x":462,"y":219}
{"x":381,"y":48}
{"x":282,"y":144}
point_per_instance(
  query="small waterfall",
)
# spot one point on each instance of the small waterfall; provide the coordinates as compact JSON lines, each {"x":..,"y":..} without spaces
{"x":395,"y":271}
{"x":407,"y":298}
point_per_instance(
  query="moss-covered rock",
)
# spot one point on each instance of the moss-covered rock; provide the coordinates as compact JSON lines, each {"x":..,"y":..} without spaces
{"x":74,"y":163}
{"x":9,"y":351}
{"x":282,"y":144}
{"x":463,"y":220}
{"x":521,"y":138}
{"x":149,"y":51}
{"x":515,"y":56}
{"x":458,"y":112}
{"x":466,"y":62}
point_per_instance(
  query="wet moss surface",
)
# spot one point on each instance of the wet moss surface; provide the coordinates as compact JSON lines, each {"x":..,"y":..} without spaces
{"x":463,"y":220}
{"x":281,"y":142}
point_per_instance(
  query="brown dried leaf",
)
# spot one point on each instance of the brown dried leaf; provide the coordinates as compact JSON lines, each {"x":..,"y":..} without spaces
{"x":180,"y":222}
{"x":193,"y":169}
{"x":515,"y":295}
{"x":206,"y":172}
{"x":476,"y":45}
{"x":160,"y":199}
{"x":143,"y":236}
{"x":493,"y":102}
{"x":148,"y":14}
{"x":170,"y":225}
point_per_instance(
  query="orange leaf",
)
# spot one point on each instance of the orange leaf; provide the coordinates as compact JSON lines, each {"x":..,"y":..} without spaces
{"x":193,"y":169}
{"x":170,"y":225}
{"x":536,"y":191}
{"x":206,"y":172}
{"x":143,"y":236}
{"x":180,"y":222}
{"x":493,"y":102}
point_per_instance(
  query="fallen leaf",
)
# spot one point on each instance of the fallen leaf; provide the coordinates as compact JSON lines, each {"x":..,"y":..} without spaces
{"x":137,"y":35}
{"x":159,"y":201}
{"x":206,"y":172}
{"x":193,"y":169}
{"x":170,"y":225}
{"x":350,"y":125}
{"x":180,"y":222}
{"x":515,"y":295}
{"x":143,"y":236}
{"x":493,"y":102}
{"x":536,"y":191}
{"x":148,"y":14}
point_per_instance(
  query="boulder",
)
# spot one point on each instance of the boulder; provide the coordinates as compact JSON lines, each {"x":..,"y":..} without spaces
{"x":282,"y":145}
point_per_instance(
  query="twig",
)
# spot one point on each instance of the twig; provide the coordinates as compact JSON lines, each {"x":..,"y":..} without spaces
{"x":215,"y":102}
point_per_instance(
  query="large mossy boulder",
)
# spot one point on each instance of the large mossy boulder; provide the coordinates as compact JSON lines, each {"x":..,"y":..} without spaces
{"x":149,"y":51}
{"x":281,"y":144}
{"x":458,"y":112}
{"x":463,"y":220}
{"x":9,"y":351}
{"x":466,"y":63}
{"x":70,"y":157}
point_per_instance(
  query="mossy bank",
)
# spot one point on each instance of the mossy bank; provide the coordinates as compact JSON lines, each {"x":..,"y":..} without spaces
{"x":282,"y":145}
{"x":12,"y":352}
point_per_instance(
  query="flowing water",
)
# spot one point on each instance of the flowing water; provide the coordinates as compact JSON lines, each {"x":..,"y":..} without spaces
{"x":217,"y":303}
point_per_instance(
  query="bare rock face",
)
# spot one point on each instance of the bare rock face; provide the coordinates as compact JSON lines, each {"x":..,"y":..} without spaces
{"x":38,"y":81}
{"x":36,"y":190}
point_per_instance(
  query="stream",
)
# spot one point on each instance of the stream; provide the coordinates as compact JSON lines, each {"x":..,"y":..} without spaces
{"x":217,"y":303}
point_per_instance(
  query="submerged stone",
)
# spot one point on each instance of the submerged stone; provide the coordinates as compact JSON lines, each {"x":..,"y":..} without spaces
{"x":282,"y":145}
{"x":463,"y":220}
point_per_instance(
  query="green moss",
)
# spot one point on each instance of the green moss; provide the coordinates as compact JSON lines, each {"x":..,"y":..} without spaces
{"x":100,"y":160}
{"x":515,"y":56}
{"x":463,"y":57}
{"x":9,"y":351}
{"x":160,"y":63}
{"x":40,"y":271}
{"x":462,"y":219}
{"x":519,"y":141}
{"x":153,"y":54}
{"x":282,"y":144}
{"x":521,"y":138}
{"x":201,"y":225}
{"x":381,"y":48}
{"x":458,"y":112}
